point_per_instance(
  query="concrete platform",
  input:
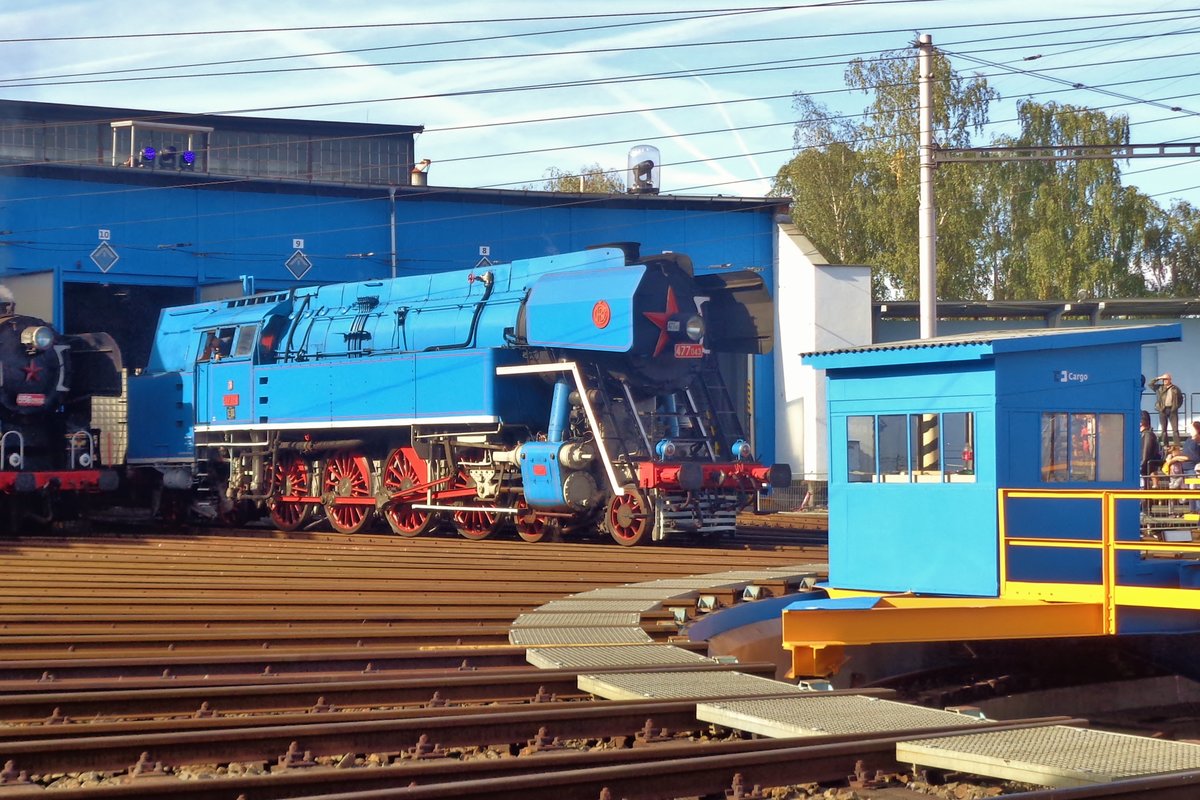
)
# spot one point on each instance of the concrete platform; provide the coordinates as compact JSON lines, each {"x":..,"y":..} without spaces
{"x":819,"y":714}
{"x":1058,"y":756}
{"x":679,"y":685}
{"x":631,"y":655}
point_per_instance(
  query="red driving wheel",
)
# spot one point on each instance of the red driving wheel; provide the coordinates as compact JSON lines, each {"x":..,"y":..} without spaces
{"x":347,"y":476}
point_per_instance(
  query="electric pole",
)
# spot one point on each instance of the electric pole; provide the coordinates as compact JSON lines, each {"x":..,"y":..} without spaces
{"x":927,"y":220}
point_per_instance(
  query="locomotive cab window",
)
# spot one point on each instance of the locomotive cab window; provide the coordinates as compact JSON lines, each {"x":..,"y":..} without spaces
{"x":247,"y":338}
{"x":215,"y":344}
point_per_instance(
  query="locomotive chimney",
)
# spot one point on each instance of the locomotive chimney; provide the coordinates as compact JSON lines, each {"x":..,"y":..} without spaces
{"x":644,"y":161}
{"x":420,"y":173}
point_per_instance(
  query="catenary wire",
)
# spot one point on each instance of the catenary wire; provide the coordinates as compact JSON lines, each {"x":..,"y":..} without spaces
{"x":106,"y":77}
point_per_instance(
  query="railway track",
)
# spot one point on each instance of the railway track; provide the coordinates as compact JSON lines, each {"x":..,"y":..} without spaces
{"x":320,"y":665}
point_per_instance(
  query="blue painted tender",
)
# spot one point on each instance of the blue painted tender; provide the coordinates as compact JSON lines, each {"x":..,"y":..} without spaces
{"x":553,"y":393}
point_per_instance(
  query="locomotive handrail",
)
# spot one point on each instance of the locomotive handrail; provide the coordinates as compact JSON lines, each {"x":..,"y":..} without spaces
{"x":700,"y":424}
{"x":581,"y":389}
{"x":72,"y":449}
{"x":637,"y":417}
{"x":4,"y":449}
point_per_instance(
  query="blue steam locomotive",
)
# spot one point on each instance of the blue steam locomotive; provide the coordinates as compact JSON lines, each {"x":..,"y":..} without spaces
{"x":49,"y":452}
{"x":550,"y":394}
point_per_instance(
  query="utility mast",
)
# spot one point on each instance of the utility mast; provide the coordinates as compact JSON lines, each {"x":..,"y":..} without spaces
{"x":927,"y":220}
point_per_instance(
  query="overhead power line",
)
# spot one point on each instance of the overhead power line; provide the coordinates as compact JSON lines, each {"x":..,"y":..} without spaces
{"x":432,"y":23}
{"x":107,"y":76}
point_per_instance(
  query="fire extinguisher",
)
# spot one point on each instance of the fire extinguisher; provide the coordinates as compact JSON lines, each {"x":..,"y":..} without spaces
{"x":968,"y":456}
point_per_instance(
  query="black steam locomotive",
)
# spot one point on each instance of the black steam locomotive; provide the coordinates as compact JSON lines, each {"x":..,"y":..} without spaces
{"x":49,"y":452}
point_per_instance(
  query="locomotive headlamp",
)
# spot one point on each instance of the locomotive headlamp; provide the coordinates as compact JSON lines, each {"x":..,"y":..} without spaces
{"x":37,"y":337}
{"x":695,"y":328}
{"x":741,"y":450}
{"x":665,"y":449}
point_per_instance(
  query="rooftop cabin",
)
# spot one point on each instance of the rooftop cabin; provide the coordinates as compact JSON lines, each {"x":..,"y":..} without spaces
{"x":924,"y":433}
{"x":218,"y":144}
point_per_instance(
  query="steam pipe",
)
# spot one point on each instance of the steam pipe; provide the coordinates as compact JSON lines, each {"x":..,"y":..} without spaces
{"x":488,"y":281}
{"x":559,"y":406}
{"x":323,"y":446}
{"x":392,"y":224}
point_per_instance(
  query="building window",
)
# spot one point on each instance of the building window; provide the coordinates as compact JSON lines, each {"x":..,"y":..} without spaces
{"x":892,"y":433}
{"x":1083,"y":447}
{"x":911,"y":448}
{"x":860,"y":449}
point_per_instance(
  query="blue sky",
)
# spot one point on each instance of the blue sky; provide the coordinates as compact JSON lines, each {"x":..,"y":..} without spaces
{"x":403,"y":63}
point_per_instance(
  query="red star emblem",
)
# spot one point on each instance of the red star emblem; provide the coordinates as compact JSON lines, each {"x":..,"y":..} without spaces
{"x":32,"y":372}
{"x":660,"y":318}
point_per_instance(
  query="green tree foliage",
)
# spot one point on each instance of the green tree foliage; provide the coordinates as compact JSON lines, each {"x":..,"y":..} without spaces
{"x":589,"y":179}
{"x":854,"y":182}
{"x":1028,"y":230}
{"x":1172,"y":251}
{"x":1070,"y":229}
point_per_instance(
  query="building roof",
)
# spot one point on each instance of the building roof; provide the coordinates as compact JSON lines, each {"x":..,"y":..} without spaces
{"x":64,"y":113}
{"x":982,"y":345}
{"x":1139,"y":307}
{"x":61,"y":112}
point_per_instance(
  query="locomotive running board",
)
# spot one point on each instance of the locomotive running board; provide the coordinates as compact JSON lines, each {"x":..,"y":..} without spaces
{"x":573,"y":368}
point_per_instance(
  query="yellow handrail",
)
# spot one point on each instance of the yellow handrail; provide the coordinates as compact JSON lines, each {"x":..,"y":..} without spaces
{"x":1111,"y":592}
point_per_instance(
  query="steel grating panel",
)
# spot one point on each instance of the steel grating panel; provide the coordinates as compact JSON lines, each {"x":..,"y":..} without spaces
{"x":744,"y":576}
{"x":680,"y":583}
{"x":631,"y":592}
{"x":639,"y":686}
{"x":531,"y":637}
{"x":578,"y":619}
{"x":1057,"y":756}
{"x":798,"y":569}
{"x":818,"y":714}
{"x":629,"y":655}
{"x":576,"y":604}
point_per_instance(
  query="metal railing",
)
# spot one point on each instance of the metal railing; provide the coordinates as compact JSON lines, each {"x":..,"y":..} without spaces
{"x":1091,"y":546}
{"x":801,"y":495}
